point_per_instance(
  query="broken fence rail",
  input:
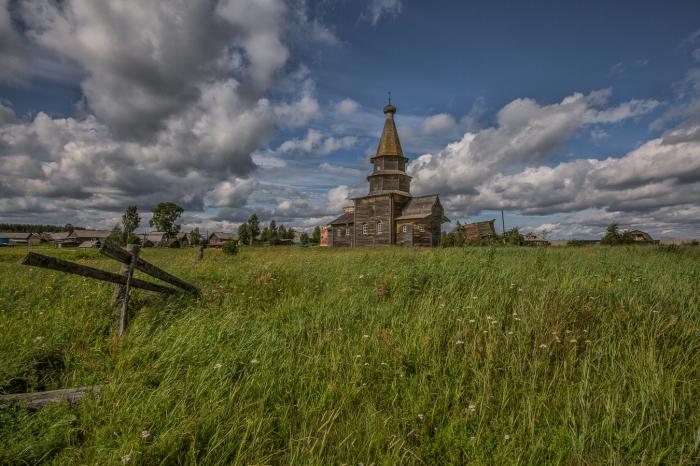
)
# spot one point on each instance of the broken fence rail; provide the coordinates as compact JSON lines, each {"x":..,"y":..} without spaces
{"x":46,"y":262}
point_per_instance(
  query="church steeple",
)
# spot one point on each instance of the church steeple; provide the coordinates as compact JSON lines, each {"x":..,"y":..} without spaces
{"x":389,"y":143}
{"x":389,"y":173}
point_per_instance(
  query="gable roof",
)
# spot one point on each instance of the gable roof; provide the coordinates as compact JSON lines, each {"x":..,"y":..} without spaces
{"x":347,"y":217}
{"x":420,"y":207}
{"x":59,"y":235}
{"x":16,"y":235}
{"x":91,"y":233}
{"x":223,"y":236}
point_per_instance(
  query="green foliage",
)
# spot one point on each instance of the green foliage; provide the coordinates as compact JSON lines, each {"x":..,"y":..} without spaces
{"x":613,"y":237}
{"x":164,"y":217}
{"x":230,"y":248}
{"x":575,"y":243}
{"x":253,"y":228}
{"x":244,"y":233}
{"x":130,"y":222}
{"x":316,"y":235}
{"x":195,"y":237}
{"x":513,"y":237}
{"x":117,"y":236}
{"x":34,"y":228}
{"x":304,"y":238}
{"x":578,"y":355}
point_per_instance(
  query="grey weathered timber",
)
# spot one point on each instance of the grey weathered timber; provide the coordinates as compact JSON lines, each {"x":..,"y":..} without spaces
{"x":133,"y":251}
{"x":46,"y":262}
{"x":39,"y":399}
{"x":117,"y":253}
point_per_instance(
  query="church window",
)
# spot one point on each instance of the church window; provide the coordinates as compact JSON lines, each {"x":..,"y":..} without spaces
{"x":347,"y":231}
{"x":365,"y":229}
{"x":340,"y":232}
{"x":380,"y":227}
{"x":421,"y":227}
{"x":404,"y":229}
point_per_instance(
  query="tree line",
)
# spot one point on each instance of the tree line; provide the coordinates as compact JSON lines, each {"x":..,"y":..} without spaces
{"x":36,"y":228}
{"x":250,"y":233}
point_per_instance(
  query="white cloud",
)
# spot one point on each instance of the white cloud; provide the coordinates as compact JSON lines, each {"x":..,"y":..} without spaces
{"x":231,"y":193}
{"x":315,"y":143}
{"x":347,"y":107}
{"x":340,"y":171}
{"x":440,"y":123}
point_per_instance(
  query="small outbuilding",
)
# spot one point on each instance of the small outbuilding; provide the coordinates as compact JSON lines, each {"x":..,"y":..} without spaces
{"x":218,"y":238}
{"x":479,"y":231}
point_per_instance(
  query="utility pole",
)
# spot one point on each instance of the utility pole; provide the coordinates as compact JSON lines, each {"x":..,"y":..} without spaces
{"x":503,"y":225}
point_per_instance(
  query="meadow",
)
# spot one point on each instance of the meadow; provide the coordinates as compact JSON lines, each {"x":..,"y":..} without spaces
{"x":481,"y":355}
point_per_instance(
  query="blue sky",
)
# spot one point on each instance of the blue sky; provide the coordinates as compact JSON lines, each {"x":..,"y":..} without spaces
{"x":568,"y":115}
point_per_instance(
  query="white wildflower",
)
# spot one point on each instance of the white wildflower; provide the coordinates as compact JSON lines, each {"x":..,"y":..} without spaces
{"x":145,"y":434}
{"x":486,"y":331}
{"x":543,"y":346}
{"x":254,"y":361}
{"x":384,"y":364}
{"x":459,"y":342}
{"x":588,"y":342}
{"x":357,"y":356}
{"x":510,"y":333}
{"x":472,"y":407}
{"x":420,"y":417}
{"x":471,"y":321}
{"x":126,"y":458}
{"x":506,"y":437}
{"x":365,"y":336}
{"x":366,"y":364}
{"x":38,"y":338}
{"x":217,"y":365}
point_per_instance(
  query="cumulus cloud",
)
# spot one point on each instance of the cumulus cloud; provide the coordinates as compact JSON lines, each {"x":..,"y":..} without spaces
{"x":174,"y":103}
{"x":340,"y":171}
{"x":526,"y":132}
{"x":477,"y":172}
{"x":315,"y":143}
{"x":440,"y":123}
{"x":231,"y":193}
{"x":346,"y":107}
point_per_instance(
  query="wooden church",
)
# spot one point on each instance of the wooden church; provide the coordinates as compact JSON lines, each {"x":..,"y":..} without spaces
{"x":388,"y":214}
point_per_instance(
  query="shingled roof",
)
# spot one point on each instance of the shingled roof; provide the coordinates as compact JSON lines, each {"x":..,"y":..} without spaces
{"x":348,"y":217}
{"x":389,"y":143}
{"x":419,"y":207}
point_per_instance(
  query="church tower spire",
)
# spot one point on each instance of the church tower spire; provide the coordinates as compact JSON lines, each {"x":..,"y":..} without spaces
{"x":389,"y":173}
{"x":389,"y":143}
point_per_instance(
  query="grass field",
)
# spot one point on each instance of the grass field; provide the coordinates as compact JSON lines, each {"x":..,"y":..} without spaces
{"x":310,"y":356}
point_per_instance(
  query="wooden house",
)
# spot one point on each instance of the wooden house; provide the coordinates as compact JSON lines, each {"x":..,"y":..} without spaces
{"x":183,"y":239}
{"x":642,"y":237}
{"x":531,"y":239}
{"x":218,"y":238}
{"x":479,"y":231}
{"x":19,"y":239}
{"x":389,"y":214}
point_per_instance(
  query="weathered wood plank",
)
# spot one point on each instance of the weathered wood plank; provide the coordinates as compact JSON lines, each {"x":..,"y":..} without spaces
{"x":37,"y":260}
{"x":39,"y":399}
{"x":114,"y":252}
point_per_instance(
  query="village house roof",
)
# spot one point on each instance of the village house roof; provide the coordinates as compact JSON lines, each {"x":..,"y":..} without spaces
{"x":91,"y":233}
{"x":16,"y":235}
{"x":641,"y":235}
{"x":420,"y":207}
{"x":389,"y":143}
{"x":154,"y":237}
{"x":347,"y":217}
{"x":59,"y":235}
{"x":223,"y":236}
{"x":479,"y":230}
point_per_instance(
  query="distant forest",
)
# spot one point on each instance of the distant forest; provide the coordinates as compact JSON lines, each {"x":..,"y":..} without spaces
{"x":32,"y":228}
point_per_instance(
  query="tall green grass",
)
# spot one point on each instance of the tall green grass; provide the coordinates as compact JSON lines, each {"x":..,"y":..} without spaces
{"x":384,"y":356}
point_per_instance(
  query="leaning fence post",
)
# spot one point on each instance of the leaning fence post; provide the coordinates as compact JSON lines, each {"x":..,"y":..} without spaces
{"x":124,"y":318}
{"x":200,"y":252}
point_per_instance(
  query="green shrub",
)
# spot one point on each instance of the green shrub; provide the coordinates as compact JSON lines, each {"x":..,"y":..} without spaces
{"x":230,"y":248}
